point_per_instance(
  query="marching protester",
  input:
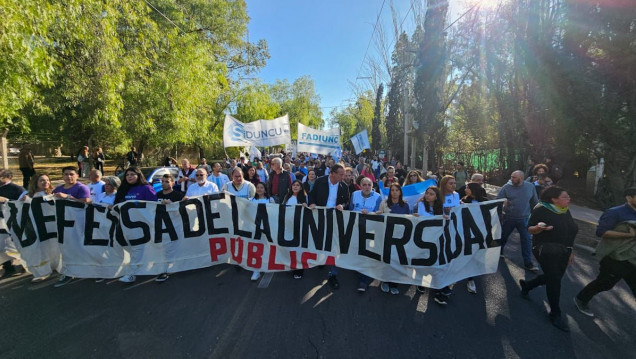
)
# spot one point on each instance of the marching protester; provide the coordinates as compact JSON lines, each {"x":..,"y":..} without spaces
{"x":202,"y":186}
{"x":39,"y":186}
{"x":107,"y":198}
{"x":295,"y":196}
{"x":389,"y":178}
{"x":262,"y":172}
{"x":75,"y":191}
{"x":617,"y":251}
{"x":413,"y":177}
{"x":96,"y":185}
{"x":393,"y":204}
{"x":168,"y":194}
{"x":553,"y":230}
{"x":475,"y":178}
{"x":365,"y":201}
{"x":474,"y":193}
{"x":252,"y":177}
{"x":450,"y":199}
{"x":429,"y":205}
{"x":329,"y":191}
{"x":203,"y":163}
{"x":261,"y":195}
{"x":279,"y":181}
{"x":349,"y":180}
{"x":134,"y":188}
{"x":186,"y":175}
{"x":310,"y":180}
{"x":239,"y":187}
{"x":520,"y":197}
{"x":9,"y":191}
{"x":367,"y":172}
{"x":219,"y":178}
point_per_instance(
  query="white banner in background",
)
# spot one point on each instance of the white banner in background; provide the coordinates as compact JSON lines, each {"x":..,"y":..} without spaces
{"x":260,"y":133}
{"x":323,"y":142}
{"x":148,"y":238}
{"x":360,"y":141}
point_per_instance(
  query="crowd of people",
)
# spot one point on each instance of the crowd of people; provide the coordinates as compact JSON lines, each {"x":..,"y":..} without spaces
{"x":534,"y":206}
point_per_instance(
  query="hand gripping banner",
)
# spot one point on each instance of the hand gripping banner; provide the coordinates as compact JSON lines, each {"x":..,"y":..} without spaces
{"x":148,"y":238}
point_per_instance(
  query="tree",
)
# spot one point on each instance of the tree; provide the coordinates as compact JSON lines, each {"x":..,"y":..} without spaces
{"x":376,"y":135}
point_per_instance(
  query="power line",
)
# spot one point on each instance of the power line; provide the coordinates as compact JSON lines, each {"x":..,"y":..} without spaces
{"x":371,"y":38}
{"x":165,"y":17}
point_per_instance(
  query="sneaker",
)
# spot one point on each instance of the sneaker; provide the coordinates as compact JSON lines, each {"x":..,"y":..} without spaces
{"x":64,"y":280}
{"x":531,"y":267}
{"x":560,"y":322}
{"x":99,"y":280}
{"x":446,"y":291}
{"x":583,"y":307}
{"x":40,"y":279}
{"x":395,"y":291}
{"x":333,"y":282}
{"x":441,"y":299}
{"x":128,"y":278}
{"x":384,"y":287}
{"x":298,"y":274}
{"x":162,"y":277}
{"x":524,"y":290}
{"x":362,"y":287}
{"x":471,"y":287}
{"x":420,"y":289}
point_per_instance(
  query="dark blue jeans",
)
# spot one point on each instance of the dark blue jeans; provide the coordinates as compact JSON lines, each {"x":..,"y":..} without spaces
{"x":521,"y":225}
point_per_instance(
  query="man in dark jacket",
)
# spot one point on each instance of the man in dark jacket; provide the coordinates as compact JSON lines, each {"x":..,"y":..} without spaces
{"x":278,"y":181}
{"x":329,"y":191}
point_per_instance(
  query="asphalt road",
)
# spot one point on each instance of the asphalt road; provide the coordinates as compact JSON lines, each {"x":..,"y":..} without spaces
{"x":219,"y":313}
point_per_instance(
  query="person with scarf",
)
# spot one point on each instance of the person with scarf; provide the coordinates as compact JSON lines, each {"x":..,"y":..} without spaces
{"x":553,"y":231}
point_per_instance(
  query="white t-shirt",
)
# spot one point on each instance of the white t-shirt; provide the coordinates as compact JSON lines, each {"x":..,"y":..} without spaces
{"x":96,"y":188}
{"x":194,"y":189}
{"x":104,"y":198}
{"x":292,"y":201}
{"x":247,"y":189}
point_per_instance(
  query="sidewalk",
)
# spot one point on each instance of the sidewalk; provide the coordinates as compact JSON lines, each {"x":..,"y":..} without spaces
{"x":580,"y":213}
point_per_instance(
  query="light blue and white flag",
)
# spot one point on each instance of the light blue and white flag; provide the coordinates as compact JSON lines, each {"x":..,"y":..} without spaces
{"x":337,"y":154}
{"x":360,"y":141}
{"x":260,"y":133}
{"x":410,"y":193}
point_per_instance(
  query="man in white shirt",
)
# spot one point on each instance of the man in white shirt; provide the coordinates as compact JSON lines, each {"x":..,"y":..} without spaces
{"x":97,"y":185}
{"x":202,"y":185}
{"x":238,"y":186}
{"x":219,"y":178}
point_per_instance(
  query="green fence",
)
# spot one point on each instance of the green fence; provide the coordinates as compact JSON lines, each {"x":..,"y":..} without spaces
{"x":485,"y":161}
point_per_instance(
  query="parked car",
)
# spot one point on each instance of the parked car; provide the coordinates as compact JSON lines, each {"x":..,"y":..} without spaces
{"x":153,"y":175}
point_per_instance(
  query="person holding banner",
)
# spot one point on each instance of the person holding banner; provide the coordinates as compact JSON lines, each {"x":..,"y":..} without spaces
{"x":239,"y":187}
{"x":329,"y":191}
{"x":168,"y":194}
{"x":310,"y":180}
{"x":9,"y":191}
{"x":261,"y":195}
{"x":135,"y":187}
{"x":202,"y":186}
{"x":365,"y":201}
{"x":474,"y":193}
{"x":295,"y":196}
{"x":450,"y":199}
{"x":396,"y":205}
{"x":39,"y":186}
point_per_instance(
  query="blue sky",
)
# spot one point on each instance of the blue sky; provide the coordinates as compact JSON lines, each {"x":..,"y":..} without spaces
{"x":323,"y":39}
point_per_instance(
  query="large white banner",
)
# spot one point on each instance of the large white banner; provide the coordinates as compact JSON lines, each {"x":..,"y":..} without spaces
{"x":139,"y":237}
{"x":360,"y":141}
{"x":260,"y":133}
{"x":318,"y":141}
